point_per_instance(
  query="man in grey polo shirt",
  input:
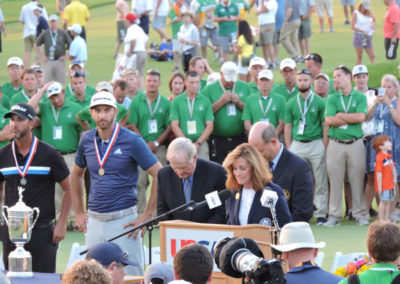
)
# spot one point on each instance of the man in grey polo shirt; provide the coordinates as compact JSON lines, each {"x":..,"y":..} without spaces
{"x":290,"y":30}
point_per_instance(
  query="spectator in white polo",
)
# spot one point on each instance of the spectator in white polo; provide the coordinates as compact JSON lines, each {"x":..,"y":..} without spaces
{"x":78,"y":47}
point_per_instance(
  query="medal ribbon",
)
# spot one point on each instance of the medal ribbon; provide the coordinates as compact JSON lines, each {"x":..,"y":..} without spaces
{"x":114,"y":135}
{"x":28,"y":161}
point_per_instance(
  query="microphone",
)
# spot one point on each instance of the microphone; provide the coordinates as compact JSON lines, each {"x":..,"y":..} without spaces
{"x":269,"y":198}
{"x":213,"y":199}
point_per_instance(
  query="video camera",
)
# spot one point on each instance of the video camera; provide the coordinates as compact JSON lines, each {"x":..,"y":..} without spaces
{"x":242,"y":258}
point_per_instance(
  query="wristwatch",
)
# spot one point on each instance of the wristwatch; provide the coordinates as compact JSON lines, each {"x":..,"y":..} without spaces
{"x":156,"y":143}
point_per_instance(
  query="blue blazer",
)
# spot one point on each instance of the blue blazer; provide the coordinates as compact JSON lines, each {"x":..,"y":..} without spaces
{"x":294,"y":176}
{"x":258,"y":213}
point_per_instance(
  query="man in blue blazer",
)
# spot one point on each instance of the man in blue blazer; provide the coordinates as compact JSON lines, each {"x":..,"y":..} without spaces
{"x":189,"y":178}
{"x":289,"y":171}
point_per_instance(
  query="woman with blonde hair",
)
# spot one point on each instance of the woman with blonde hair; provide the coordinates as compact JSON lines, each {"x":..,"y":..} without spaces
{"x":386,"y":113}
{"x":248,"y":177}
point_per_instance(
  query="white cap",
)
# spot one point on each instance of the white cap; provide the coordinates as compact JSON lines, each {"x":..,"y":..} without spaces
{"x":288,"y":63}
{"x":103,"y":98}
{"x":360,"y":69}
{"x":76,"y":28}
{"x":37,"y":68}
{"x":73,"y":63}
{"x":15,"y":61}
{"x":366,"y":4}
{"x":257,"y":61}
{"x":54,"y":89}
{"x":296,"y":235}
{"x":230,"y":71}
{"x":37,"y":7}
{"x":104,"y":86}
{"x":323,"y":75}
{"x":53,"y":17}
{"x":266,"y":73}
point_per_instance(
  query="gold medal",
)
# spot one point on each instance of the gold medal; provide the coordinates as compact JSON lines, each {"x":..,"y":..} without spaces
{"x":237,"y":196}
{"x":101,"y":172}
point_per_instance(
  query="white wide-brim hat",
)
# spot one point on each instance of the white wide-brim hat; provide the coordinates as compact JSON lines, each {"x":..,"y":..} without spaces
{"x":296,"y":235}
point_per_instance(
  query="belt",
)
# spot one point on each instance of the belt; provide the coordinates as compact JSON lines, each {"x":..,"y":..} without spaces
{"x":304,"y":141}
{"x":347,"y":142}
{"x":67,"y":153}
{"x":43,"y":225}
{"x":112,"y":215}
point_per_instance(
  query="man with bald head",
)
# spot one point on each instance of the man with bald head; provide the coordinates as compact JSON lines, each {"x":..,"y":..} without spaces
{"x":290,"y":172}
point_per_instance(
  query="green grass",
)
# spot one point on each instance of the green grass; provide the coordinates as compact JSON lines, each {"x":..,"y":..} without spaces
{"x":335,"y":48}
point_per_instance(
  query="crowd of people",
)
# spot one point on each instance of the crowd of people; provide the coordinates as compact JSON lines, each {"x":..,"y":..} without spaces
{"x":94,"y":147}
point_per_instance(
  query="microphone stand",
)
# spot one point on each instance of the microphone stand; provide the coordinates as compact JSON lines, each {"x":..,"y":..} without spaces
{"x":276,"y":230}
{"x":149,"y":226}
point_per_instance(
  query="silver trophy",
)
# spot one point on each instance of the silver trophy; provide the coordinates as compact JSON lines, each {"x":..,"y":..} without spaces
{"x":20,"y":224}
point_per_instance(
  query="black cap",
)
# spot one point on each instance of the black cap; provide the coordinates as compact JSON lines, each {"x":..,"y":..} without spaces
{"x":22,"y":110}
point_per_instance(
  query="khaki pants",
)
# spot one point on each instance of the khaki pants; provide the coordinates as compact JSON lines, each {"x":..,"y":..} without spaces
{"x":289,"y":37}
{"x":70,"y":160}
{"x":143,"y":181}
{"x":54,"y":70}
{"x":314,"y":153}
{"x":339,"y":159}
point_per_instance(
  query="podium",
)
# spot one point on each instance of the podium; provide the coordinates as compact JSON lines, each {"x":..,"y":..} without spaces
{"x":176,"y":234}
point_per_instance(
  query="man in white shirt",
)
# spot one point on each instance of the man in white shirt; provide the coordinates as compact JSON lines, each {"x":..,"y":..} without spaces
{"x":266,"y":12}
{"x":28,"y":18}
{"x":78,"y":47}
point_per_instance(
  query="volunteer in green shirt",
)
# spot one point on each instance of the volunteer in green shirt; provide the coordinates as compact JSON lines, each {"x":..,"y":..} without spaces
{"x":14,"y":69}
{"x":313,"y":63}
{"x":304,"y":124}
{"x":321,"y":86}
{"x":192,"y":115}
{"x":345,"y":110}
{"x":226,"y":15}
{"x":256,"y":65}
{"x":78,"y":84}
{"x":59,"y":129}
{"x":227,"y":97}
{"x":176,"y":23}
{"x":149,"y":117}
{"x":5,"y":134}
{"x":264,"y":105}
{"x":287,"y":89}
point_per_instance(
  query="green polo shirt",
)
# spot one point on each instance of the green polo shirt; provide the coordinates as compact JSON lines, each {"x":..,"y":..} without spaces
{"x":84,"y":115}
{"x":8,"y":89}
{"x":228,"y":27}
{"x":5,"y":102}
{"x":331,"y":88}
{"x":314,"y":117}
{"x":202,"y":112}
{"x":3,"y":122}
{"x":334,"y":105}
{"x":61,"y":133}
{"x":227,"y":124}
{"x":253,"y":87}
{"x":140,"y":115}
{"x":253,"y":112}
{"x":203,"y":84}
{"x":69,"y":92}
{"x":84,"y":103}
{"x":378,"y":273}
{"x":282,"y":90}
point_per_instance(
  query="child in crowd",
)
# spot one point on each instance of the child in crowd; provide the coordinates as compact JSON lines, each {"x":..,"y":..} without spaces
{"x":385,"y":175}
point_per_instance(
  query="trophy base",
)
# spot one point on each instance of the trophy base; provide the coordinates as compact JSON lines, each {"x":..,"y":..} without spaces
{"x":19,"y":274}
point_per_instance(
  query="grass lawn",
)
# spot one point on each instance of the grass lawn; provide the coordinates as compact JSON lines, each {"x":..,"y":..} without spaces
{"x":336,"y":48}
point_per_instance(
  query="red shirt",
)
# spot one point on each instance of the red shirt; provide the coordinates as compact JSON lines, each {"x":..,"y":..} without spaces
{"x":385,"y":165}
{"x":392,"y":16}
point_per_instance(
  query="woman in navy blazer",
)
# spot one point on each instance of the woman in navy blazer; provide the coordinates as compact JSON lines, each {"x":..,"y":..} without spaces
{"x":248,"y":176}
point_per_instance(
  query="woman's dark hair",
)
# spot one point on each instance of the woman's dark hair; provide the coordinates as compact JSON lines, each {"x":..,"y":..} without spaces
{"x":245,"y":30}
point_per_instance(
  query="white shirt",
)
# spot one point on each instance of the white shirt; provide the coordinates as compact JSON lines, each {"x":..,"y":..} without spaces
{"x":163,"y":10}
{"x":189,"y":33}
{"x":140,"y":6}
{"x":78,"y":49}
{"x":30,"y":20}
{"x":268,"y":17}
{"x":245,"y":205}
{"x":364,"y":23}
{"x":1,"y":16}
{"x":137,"y":33}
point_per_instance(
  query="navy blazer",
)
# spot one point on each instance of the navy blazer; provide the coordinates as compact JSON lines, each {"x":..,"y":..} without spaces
{"x":208,"y":177}
{"x":294,"y":176}
{"x":258,"y":213}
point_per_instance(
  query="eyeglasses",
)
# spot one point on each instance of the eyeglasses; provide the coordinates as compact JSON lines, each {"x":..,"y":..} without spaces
{"x":304,"y":71}
{"x":315,"y":57}
{"x":78,"y":74}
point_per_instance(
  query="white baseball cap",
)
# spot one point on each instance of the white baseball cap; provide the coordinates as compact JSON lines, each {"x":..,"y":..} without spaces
{"x":288,"y":63}
{"x":323,"y":75}
{"x":257,"y":61}
{"x":103,"y":98}
{"x":104,"y":86}
{"x":53,"y":17}
{"x":76,"y":28}
{"x":15,"y":61}
{"x":360,"y":69}
{"x":230,"y":71}
{"x":266,"y":73}
{"x":296,"y":235}
{"x":54,"y":89}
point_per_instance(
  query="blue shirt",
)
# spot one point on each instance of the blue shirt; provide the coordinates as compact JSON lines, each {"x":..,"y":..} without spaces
{"x":280,"y":14}
{"x":42,"y":26}
{"x":78,"y":49}
{"x":310,"y":273}
{"x":116,"y":189}
{"x":277,"y":157}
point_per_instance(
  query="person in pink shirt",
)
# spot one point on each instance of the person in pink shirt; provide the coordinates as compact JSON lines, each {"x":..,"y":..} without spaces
{"x":391,"y":31}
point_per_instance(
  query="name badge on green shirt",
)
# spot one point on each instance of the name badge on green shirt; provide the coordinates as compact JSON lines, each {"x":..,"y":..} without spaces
{"x":265,"y":120}
{"x":191,"y":127}
{"x":301,"y":127}
{"x":57,"y":132}
{"x":231,"y":109}
{"x":344,"y":126}
{"x":153,"y":126}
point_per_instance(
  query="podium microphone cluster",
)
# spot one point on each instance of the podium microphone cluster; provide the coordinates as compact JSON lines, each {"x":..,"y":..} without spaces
{"x":213,"y":199}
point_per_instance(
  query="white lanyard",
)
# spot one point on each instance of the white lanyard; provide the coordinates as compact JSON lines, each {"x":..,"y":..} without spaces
{"x":190,"y":103}
{"x":346,"y":109}
{"x":224,"y":90}
{"x":306,"y":107}
{"x":25,"y":95}
{"x":153,"y":111}
{"x":56,"y":114}
{"x":384,"y":109}
{"x":268,"y":106}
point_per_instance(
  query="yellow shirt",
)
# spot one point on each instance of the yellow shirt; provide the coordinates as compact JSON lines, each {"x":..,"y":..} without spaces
{"x":247,"y":49}
{"x":76,"y":13}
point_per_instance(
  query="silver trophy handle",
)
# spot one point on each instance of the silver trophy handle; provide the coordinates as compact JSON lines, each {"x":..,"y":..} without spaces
{"x":4,"y":215}
{"x":37,"y":217}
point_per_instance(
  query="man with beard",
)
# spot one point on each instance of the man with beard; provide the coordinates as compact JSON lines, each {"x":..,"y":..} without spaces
{"x":304,"y":125}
